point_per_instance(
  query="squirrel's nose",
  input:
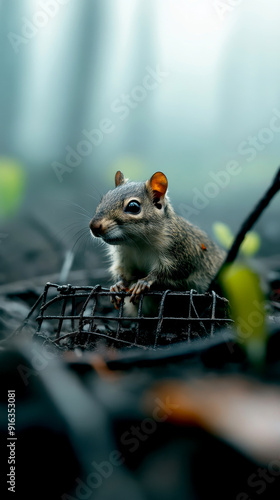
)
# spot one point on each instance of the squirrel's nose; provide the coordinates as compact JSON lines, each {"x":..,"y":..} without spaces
{"x":96,"y":228}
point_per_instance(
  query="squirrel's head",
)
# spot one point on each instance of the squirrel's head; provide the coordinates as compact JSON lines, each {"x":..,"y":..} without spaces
{"x":133,"y":212}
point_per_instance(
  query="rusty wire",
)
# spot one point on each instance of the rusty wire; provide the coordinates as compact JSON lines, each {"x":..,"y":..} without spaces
{"x":71,"y":316}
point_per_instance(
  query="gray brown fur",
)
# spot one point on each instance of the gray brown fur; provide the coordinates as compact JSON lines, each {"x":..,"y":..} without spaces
{"x":156,"y":248}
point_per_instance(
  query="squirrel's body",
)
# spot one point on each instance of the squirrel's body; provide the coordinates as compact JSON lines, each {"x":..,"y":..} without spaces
{"x":150,"y":245}
{"x":177,"y":255}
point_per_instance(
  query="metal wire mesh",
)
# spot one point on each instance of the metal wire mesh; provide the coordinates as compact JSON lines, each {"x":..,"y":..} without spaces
{"x":71,"y":316}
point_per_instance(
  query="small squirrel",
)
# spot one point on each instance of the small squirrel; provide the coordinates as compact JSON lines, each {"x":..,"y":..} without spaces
{"x":149,"y":244}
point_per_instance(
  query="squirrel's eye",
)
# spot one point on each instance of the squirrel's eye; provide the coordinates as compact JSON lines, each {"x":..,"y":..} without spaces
{"x":133,"y":207}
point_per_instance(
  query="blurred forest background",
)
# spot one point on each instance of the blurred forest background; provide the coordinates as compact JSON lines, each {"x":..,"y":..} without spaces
{"x":89,"y":87}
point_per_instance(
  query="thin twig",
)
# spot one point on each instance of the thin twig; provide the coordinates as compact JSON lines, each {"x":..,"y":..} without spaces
{"x":248,"y":224}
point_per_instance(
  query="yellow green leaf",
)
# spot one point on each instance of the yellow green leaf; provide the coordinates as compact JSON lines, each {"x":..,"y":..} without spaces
{"x":12,"y":184}
{"x":251,"y":244}
{"x":129,"y":165}
{"x":242,"y":287}
{"x":223,"y":234}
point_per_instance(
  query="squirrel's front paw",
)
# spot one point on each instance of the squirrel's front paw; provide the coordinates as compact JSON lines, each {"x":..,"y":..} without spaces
{"x":139,"y":287}
{"x":120,"y":286}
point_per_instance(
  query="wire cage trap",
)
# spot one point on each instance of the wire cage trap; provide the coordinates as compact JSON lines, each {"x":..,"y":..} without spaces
{"x":81,"y":316}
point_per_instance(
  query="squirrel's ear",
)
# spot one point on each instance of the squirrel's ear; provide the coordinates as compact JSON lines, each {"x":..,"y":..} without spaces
{"x":119,"y":178}
{"x":158,"y":184}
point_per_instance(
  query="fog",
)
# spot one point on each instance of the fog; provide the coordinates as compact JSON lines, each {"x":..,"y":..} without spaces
{"x":190,"y":88}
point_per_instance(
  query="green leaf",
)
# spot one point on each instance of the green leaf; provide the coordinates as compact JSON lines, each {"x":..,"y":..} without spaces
{"x":223,"y":234}
{"x":251,"y":244}
{"x":129,"y":165}
{"x":12,"y":185}
{"x":242,"y":287}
